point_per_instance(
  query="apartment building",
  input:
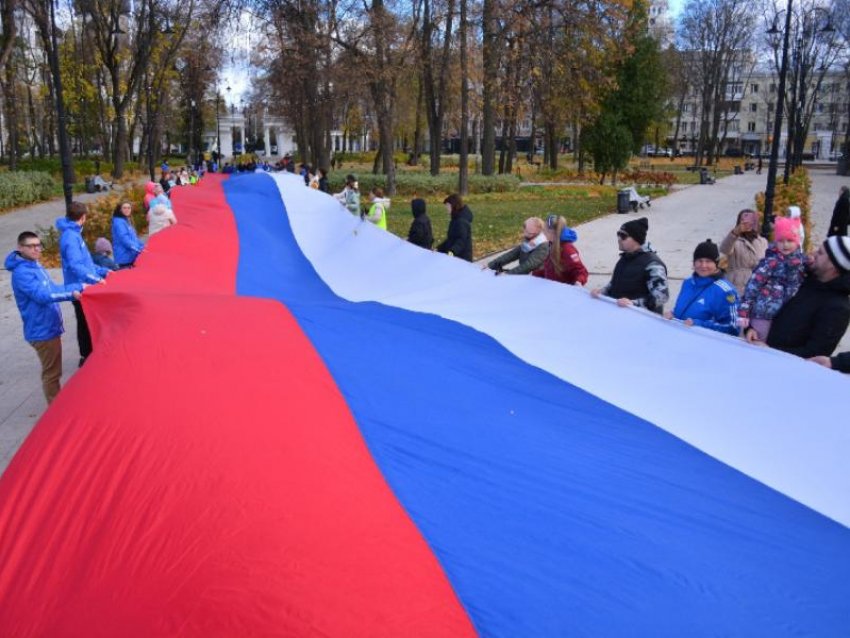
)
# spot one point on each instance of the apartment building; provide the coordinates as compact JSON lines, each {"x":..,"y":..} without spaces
{"x":750,"y":109}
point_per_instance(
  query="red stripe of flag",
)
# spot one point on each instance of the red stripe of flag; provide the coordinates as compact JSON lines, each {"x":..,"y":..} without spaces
{"x":202,"y":475}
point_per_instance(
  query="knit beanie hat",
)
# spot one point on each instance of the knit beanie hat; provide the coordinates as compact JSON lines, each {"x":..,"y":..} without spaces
{"x":102,"y":246}
{"x":707,"y":250}
{"x":786,"y":228}
{"x":838,"y":249}
{"x":636,"y":229}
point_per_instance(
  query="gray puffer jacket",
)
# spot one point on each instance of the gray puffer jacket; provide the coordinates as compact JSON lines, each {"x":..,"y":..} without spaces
{"x":528,"y":260}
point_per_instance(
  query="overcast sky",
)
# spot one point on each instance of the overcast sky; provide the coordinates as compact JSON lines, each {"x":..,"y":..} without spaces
{"x":675,"y":7}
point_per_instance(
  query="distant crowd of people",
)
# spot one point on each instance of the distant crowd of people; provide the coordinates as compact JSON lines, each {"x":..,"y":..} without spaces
{"x":771,"y":294}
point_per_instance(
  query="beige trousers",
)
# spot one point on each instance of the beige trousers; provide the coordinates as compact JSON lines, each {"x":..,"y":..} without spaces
{"x":50,"y":354}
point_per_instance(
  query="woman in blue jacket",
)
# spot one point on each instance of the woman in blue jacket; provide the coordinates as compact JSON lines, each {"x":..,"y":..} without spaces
{"x":707,"y":299}
{"x":126,"y":245}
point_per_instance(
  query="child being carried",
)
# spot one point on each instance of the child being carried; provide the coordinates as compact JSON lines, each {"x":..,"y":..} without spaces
{"x":775,"y":280}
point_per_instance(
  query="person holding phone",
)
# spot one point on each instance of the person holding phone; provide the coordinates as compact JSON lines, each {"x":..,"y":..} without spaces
{"x":744,"y":249}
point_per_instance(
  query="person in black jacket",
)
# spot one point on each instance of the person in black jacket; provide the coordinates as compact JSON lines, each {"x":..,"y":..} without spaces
{"x":323,"y":181}
{"x":420,"y":230}
{"x":812,"y":322}
{"x":839,"y":363}
{"x":840,"y":214}
{"x":458,"y":240}
{"x":639,"y":277}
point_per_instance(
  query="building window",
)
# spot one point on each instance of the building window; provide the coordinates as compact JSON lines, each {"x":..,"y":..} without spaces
{"x":770,"y":107}
{"x":754,"y":88}
{"x":751,"y":127}
{"x":773,"y":88}
{"x":754,"y":107}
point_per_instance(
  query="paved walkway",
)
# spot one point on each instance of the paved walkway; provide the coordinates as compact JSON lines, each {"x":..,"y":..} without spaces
{"x":677,"y":223}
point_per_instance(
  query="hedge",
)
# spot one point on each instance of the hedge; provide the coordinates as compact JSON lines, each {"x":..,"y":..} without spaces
{"x":82,"y":167}
{"x":797,"y":192}
{"x":423,"y":184}
{"x":21,"y":188}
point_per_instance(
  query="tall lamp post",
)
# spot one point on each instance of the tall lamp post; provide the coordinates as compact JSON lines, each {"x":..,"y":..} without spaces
{"x":217,"y":125}
{"x":770,"y":191}
{"x":191,"y":132}
{"x":149,"y":112}
{"x":64,"y":150}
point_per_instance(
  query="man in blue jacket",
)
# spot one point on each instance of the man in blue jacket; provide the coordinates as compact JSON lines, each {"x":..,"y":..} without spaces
{"x":37,"y":297}
{"x":78,"y":267}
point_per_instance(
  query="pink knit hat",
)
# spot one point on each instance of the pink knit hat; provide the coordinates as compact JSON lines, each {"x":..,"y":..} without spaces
{"x":787,"y":228}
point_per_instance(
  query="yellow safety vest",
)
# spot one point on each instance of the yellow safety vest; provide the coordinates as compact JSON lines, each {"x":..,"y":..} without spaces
{"x":383,"y":222}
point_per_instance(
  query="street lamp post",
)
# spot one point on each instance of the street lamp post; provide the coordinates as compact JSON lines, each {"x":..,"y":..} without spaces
{"x":792,"y":116}
{"x":217,"y":125}
{"x":770,"y":191}
{"x":226,"y":100}
{"x":64,"y":150}
{"x":150,"y":128}
{"x":191,"y":132}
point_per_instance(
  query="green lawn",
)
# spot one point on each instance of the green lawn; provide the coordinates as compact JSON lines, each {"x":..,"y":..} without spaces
{"x":499,"y":216}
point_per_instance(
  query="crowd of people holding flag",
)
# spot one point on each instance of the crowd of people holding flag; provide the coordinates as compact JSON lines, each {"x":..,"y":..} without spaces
{"x":771,"y":294}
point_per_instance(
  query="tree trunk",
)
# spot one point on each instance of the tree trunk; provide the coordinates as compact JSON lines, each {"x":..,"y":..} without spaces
{"x":503,"y":153}
{"x":36,"y":143}
{"x":678,"y":122}
{"x":435,"y":96}
{"x":552,"y":144}
{"x":490,"y":63}
{"x":386,"y":133}
{"x":376,"y":165}
{"x":418,"y":135}
{"x":120,"y":147}
{"x":463,"y":174}
{"x":578,"y":148}
{"x":11,"y":116}
{"x":509,"y":165}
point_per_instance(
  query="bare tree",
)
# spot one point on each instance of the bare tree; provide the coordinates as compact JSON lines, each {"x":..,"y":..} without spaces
{"x":715,"y":36}
{"x":815,"y":47}
{"x":435,"y":75}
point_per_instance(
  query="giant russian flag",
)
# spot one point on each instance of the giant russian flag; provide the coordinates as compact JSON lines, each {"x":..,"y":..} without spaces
{"x":296,"y":424}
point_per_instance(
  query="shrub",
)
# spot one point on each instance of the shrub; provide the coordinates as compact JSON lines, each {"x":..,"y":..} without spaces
{"x":797,"y":192}
{"x":20,"y":188}
{"x":656,"y":178}
{"x":82,"y":167}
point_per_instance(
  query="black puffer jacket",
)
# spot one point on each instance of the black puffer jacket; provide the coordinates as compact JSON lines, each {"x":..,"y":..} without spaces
{"x":812,"y":323}
{"x":459,"y":236}
{"x":420,"y":232}
{"x":841,"y":362}
{"x":840,"y":216}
